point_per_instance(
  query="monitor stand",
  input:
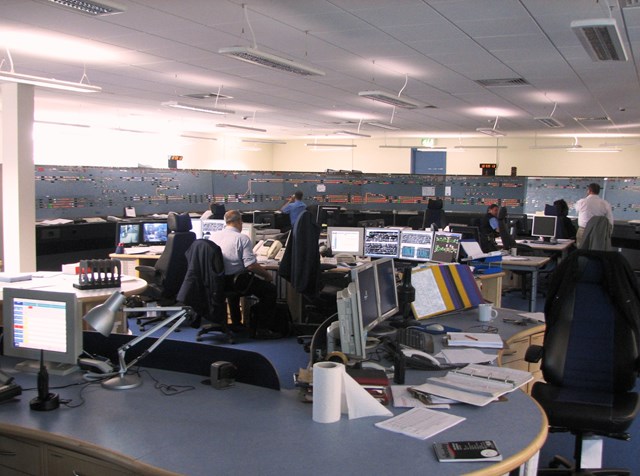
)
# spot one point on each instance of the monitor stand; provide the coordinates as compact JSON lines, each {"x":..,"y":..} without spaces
{"x":54,"y":368}
{"x":382,"y":330}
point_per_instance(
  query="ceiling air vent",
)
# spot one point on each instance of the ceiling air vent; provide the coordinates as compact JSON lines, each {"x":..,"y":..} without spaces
{"x":601,"y":38}
{"x":549,"y":122}
{"x":496,"y":83}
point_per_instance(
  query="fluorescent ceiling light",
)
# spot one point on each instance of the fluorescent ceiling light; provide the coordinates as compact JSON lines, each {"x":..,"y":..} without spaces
{"x":490,"y":131}
{"x":549,"y":122}
{"x":345,"y":146}
{"x":197,"y":137}
{"x":462,"y":147}
{"x":49,"y":83}
{"x":593,"y":149}
{"x":88,"y":7}
{"x":600,"y":38}
{"x":264,"y":141}
{"x":382,"y":125}
{"x":191,"y":107}
{"x":347,"y":133}
{"x":550,"y":147}
{"x":392,"y":99}
{"x":245,"y":128}
{"x":260,"y":58}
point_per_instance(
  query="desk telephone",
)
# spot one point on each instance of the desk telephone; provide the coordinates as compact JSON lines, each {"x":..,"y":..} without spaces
{"x":269,"y":248}
{"x":8,"y":389}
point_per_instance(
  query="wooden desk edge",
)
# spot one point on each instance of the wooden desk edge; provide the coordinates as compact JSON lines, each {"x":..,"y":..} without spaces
{"x":70,"y":443}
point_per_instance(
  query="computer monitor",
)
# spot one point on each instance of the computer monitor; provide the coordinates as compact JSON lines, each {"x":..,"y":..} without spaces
{"x":518,"y":222}
{"x":210,"y":226}
{"x":381,"y":242}
{"x":544,"y":226}
{"x":37,"y":320}
{"x":327,"y":215}
{"x":352,"y":336}
{"x":250,"y":231}
{"x":154,"y":233}
{"x":264,"y":218}
{"x":446,"y":246}
{"x":364,"y":276}
{"x":196,"y":227}
{"x":348,"y":240}
{"x":468,"y":232}
{"x":387,"y":288}
{"x":415,"y":245}
{"x":128,"y":233}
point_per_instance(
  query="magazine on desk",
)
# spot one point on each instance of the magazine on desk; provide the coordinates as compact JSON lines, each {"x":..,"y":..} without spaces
{"x":475,"y":339}
{"x":476,"y":384}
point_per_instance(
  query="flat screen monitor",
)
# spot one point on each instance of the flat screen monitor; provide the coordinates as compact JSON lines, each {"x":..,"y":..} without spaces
{"x":518,"y":222}
{"x":381,"y":242}
{"x":387,"y":288}
{"x":327,"y":215}
{"x":346,"y":240}
{"x":544,"y":226}
{"x":37,"y":320}
{"x":415,"y":245}
{"x":446,"y":246}
{"x":154,"y":233}
{"x":128,"y":233}
{"x":468,"y":232}
{"x":365,"y":278}
{"x":210,"y":226}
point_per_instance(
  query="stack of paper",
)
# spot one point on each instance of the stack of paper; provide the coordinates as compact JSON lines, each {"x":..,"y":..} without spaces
{"x":475,"y":339}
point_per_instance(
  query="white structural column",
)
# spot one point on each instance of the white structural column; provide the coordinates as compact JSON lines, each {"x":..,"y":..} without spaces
{"x":18,"y":178}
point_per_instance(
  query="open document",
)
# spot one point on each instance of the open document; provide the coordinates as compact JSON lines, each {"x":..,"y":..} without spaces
{"x":476,"y":384}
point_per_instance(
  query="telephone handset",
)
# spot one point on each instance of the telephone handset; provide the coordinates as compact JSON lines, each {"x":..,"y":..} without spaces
{"x":267,"y":248}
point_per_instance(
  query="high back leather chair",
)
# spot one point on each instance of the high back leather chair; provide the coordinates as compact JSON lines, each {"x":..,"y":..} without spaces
{"x":165,"y":277}
{"x":434,"y":214}
{"x":203,"y":288}
{"x":590,"y":357}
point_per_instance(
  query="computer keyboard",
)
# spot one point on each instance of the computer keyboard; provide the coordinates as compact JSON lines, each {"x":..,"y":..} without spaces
{"x":415,"y":338}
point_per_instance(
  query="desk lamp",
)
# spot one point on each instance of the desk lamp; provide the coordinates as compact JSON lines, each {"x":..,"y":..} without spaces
{"x":102,"y":317}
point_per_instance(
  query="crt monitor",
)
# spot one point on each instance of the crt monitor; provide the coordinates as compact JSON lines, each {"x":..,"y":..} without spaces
{"x":544,"y":226}
{"x":346,"y":240}
{"x":37,"y":320}
{"x":128,"y":234}
{"x":415,"y":245}
{"x":327,"y":215}
{"x":381,"y":242}
{"x":446,"y":246}
{"x":154,"y":233}
{"x":264,"y":218}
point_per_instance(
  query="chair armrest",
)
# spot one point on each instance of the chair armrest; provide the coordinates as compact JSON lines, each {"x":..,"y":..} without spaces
{"x":534,"y":353}
{"x":148,"y":273}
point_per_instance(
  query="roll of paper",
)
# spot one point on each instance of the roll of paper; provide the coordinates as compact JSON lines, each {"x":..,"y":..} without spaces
{"x":327,"y":391}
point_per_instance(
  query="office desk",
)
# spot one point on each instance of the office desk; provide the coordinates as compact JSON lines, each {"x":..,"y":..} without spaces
{"x":130,"y":261}
{"x":529,"y":264}
{"x":251,"y":430}
{"x":561,"y":248}
{"x":88,"y":298}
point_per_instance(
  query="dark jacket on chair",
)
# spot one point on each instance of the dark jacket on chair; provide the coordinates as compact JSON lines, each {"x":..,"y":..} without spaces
{"x":203,"y":287}
{"x":300,"y":264}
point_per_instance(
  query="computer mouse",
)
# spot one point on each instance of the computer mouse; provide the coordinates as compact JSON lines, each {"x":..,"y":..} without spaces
{"x":435,"y":327}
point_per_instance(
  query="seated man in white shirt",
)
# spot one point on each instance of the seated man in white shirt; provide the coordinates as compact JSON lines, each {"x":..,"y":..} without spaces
{"x":237,"y":254}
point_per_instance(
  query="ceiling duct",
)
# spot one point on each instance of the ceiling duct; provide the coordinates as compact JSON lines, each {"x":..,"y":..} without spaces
{"x":600,"y":38}
{"x":392,"y":99}
{"x":260,"y":58}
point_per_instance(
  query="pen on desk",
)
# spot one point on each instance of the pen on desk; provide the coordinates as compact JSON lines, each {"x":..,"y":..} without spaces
{"x":470,"y":337}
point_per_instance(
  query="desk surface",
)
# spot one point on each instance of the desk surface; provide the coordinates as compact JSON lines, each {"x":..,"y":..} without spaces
{"x":253,"y":430}
{"x":536,"y":262}
{"x":64,"y":283}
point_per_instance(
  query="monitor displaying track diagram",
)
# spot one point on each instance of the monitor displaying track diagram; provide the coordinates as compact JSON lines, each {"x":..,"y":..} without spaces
{"x":381,"y":242}
{"x":415,"y":245}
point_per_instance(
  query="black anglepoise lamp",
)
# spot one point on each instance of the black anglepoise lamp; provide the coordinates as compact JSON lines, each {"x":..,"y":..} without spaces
{"x":102,"y":317}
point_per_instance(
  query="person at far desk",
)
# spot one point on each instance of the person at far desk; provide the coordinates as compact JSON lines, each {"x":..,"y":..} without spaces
{"x":489,"y":229}
{"x":591,"y":206}
{"x":237,"y":254}
{"x":294,"y":207}
{"x":566,"y":230}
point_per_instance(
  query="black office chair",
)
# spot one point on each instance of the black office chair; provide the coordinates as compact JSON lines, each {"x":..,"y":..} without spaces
{"x":165,"y":278}
{"x":590,"y":357}
{"x":434,"y":214}
{"x":203,"y":288}
{"x":301,"y":267}
{"x":416,"y":222}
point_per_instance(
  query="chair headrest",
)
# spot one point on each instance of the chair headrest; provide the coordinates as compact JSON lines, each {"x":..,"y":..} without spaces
{"x":502,"y":214}
{"x":434,"y":204}
{"x":178,"y":222}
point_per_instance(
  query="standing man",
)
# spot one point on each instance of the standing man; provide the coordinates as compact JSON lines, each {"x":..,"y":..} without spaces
{"x":489,"y":229}
{"x":237,"y":254}
{"x":294,"y":207}
{"x":591,"y":206}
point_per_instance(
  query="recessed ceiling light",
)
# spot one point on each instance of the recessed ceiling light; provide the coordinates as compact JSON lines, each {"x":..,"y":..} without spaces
{"x":600,"y":38}
{"x":87,"y":7}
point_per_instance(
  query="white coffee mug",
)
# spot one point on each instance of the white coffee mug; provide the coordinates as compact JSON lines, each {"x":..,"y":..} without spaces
{"x":486,"y":312}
